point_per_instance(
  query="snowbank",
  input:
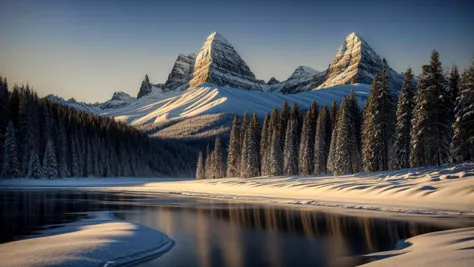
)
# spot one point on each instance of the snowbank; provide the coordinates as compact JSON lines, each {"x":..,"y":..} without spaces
{"x":445,"y":248}
{"x":445,"y":190}
{"x":100,"y":241}
{"x":79,"y":182}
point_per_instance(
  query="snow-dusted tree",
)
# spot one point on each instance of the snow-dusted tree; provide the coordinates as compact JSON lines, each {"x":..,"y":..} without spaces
{"x":290,"y":155}
{"x":34,"y":166}
{"x":253,"y":145}
{"x":200,"y":171}
{"x":431,"y":132}
{"x":355,"y":111}
{"x":264,"y":145}
{"x":406,"y":104}
{"x":50,"y":166}
{"x":462,"y":145}
{"x":62,"y":151}
{"x":347,"y":156}
{"x":333,"y":143}
{"x":208,"y":163}
{"x":284,"y":118}
{"x":218,"y":168}
{"x":243,"y":131}
{"x":333,"y":114}
{"x":379,"y":125}
{"x":11,"y":164}
{"x":276,"y":159}
{"x":233,"y":156}
{"x":322,"y":141}
{"x":306,"y":150}
{"x":244,"y":153}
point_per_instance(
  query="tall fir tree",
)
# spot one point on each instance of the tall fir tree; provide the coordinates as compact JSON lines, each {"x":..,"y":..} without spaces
{"x":405,"y":107}
{"x":200,"y":171}
{"x":234,"y":151}
{"x":11,"y":164}
{"x":50,"y":166}
{"x":208,"y":164}
{"x":290,"y":162}
{"x":322,"y":141}
{"x":379,"y":125}
{"x":253,"y":145}
{"x":333,"y":114}
{"x":462,"y":145}
{"x":347,"y":157}
{"x":284,"y":118}
{"x":265,"y":145}
{"x":276,"y":159}
{"x":306,"y":150}
{"x":333,"y":142}
{"x":431,"y":131}
{"x":218,"y":168}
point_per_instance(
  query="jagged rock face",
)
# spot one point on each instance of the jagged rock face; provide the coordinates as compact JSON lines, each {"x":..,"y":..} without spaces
{"x":121,"y":96}
{"x":218,"y":63}
{"x":356,"y":62}
{"x":181,"y":73}
{"x":303,"y":79}
{"x":119,"y":99}
{"x":145,"y":88}
{"x":272,"y":81}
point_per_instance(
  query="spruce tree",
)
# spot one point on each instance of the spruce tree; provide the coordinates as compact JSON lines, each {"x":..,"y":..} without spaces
{"x":75,"y":169}
{"x":244,"y":153}
{"x":431,"y":132}
{"x":462,"y":145}
{"x":333,"y":146}
{"x":34,"y":166}
{"x":284,"y":118}
{"x":306,"y":150}
{"x":322,"y":141}
{"x":333,"y":114}
{"x":218,"y":168}
{"x":62,"y":151}
{"x":405,"y":108}
{"x":50,"y":166}
{"x":208,"y":164}
{"x":233,"y":156}
{"x":265,"y":145}
{"x":347,"y":157}
{"x":291,"y":152}
{"x":276,"y":160}
{"x":200,"y":171}
{"x":11,"y":164}
{"x":253,"y":145}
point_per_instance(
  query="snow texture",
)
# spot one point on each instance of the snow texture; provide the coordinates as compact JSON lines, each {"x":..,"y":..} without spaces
{"x":181,"y":73}
{"x":101,"y":240}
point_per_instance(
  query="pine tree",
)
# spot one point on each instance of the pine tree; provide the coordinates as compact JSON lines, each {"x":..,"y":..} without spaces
{"x":405,"y":108}
{"x":284,"y":118}
{"x":244,"y":153}
{"x":233,"y":156}
{"x":265,"y":145}
{"x":355,"y":111}
{"x":322,"y":141}
{"x":462,"y":145}
{"x":218,"y":168}
{"x":50,"y":166}
{"x":453,"y":81}
{"x":291,"y":152}
{"x":11,"y":164}
{"x":276,"y":160}
{"x":34,"y":166}
{"x":431,"y":132}
{"x":253,"y":145}
{"x":379,"y":125}
{"x":333,"y":114}
{"x":347,"y":155}
{"x":76,"y":170}
{"x":62,"y":151}
{"x":208,"y":163}
{"x":200,"y":171}
{"x":306,"y":151}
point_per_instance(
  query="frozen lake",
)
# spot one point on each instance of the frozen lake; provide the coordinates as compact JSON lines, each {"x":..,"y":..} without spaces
{"x":219,"y":232}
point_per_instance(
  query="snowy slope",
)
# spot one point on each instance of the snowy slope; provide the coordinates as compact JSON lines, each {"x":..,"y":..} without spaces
{"x":211,"y":99}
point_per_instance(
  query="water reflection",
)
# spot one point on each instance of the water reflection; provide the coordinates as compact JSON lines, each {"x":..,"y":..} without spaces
{"x":218,"y":233}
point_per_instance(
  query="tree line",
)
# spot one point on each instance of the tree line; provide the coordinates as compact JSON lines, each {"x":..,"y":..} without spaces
{"x":43,"y":139}
{"x":430,"y":122}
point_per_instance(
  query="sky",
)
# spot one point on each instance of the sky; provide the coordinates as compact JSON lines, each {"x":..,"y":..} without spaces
{"x":90,"y":49}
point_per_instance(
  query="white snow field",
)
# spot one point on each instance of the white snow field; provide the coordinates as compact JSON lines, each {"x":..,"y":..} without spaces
{"x":100,"y":241}
{"x":212,"y":99}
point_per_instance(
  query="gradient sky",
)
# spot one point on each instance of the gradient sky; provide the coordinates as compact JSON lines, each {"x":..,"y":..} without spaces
{"x":89,"y":49}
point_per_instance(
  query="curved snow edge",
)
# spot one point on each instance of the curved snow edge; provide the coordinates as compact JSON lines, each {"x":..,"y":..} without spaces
{"x":141,"y":256}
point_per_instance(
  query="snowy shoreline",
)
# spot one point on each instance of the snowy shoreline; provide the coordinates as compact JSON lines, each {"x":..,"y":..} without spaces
{"x":102,"y":240}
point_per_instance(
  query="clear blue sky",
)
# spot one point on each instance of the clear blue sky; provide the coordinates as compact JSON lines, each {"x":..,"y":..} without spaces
{"x":89,"y":49}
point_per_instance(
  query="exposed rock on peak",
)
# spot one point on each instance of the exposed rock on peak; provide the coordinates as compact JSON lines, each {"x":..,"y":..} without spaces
{"x":303,"y":79}
{"x":218,"y":63}
{"x":272,"y":81}
{"x":121,"y":96}
{"x":145,"y":88}
{"x":357,"y":62}
{"x":181,"y":73}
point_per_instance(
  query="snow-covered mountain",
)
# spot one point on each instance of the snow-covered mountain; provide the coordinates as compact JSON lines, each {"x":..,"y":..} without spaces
{"x":218,"y":63}
{"x":119,"y":99}
{"x":181,"y":73}
{"x":357,"y":62}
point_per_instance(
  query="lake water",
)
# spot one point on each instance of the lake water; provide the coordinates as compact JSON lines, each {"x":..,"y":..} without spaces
{"x":218,"y":232}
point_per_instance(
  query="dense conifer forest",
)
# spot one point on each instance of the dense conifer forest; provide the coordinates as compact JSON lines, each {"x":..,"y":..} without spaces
{"x":430,"y":122}
{"x":42,"y":139}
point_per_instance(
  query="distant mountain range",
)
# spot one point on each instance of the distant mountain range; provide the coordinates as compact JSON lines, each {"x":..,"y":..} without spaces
{"x":215,"y":82}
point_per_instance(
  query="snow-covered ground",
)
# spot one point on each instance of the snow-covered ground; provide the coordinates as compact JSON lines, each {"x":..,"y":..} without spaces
{"x":99,"y":241}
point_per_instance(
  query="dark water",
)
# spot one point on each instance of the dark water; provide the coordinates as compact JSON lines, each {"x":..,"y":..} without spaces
{"x":216,"y":232}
